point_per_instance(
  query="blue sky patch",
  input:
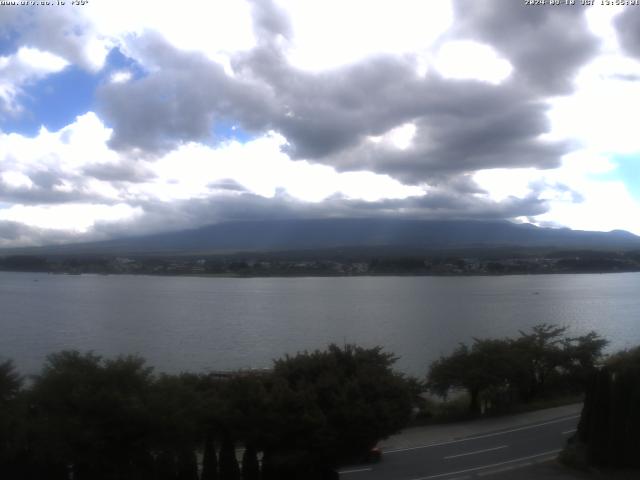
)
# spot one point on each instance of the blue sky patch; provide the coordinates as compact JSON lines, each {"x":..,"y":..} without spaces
{"x":56,"y":100}
{"x":8,"y":43}
{"x":225,"y":131}
{"x":116,"y":61}
{"x":627,"y":171}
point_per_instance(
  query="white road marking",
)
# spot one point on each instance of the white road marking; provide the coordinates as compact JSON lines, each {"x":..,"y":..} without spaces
{"x":567,"y":432}
{"x":355,"y":470}
{"x":477,"y":451}
{"x":440,"y":475}
{"x":559,"y":420}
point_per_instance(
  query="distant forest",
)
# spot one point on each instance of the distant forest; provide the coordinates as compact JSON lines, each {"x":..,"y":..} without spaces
{"x":341,"y":262}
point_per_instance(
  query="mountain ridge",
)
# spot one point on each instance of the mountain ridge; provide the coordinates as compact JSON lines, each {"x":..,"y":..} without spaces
{"x":310,"y":234}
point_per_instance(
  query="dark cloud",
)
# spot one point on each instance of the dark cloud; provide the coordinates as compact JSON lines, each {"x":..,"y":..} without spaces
{"x":465,"y":126}
{"x":46,"y":190}
{"x":320,"y":113}
{"x":270,"y":21}
{"x":169,"y":106}
{"x":132,"y":172}
{"x":440,"y":203}
{"x":60,"y":31}
{"x":546,"y":45}
{"x":177,"y":101}
{"x":627,"y":26}
{"x":14,"y":234}
{"x":473,"y":124}
{"x":227,"y":184}
{"x":327,"y":117}
{"x":540,"y":185}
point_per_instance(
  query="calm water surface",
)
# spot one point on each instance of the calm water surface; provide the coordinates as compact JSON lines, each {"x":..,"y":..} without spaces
{"x":198,"y":324}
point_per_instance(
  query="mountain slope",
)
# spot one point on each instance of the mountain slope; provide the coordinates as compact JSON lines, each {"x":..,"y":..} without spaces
{"x":279,"y":235}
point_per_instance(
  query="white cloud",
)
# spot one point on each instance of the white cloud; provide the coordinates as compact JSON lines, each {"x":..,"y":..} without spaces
{"x":262,"y":168}
{"x":77,"y":218}
{"x":400,"y":137}
{"x":471,"y":60}
{"x":25,"y":66}
{"x":70,"y":148}
{"x":16,"y":179}
{"x":577,"y":198}
{"x":600,"y":22}
{"x":216,"y":28}
{"x":601,"y":114}
{"x":121,"y":76}
{"x":66,"y":31}
{"x":184,"y":174}
{"x":502,"y":183}
{"x":607,"y":206}
{"x":334,"y":33}
{"x":39,"y":61}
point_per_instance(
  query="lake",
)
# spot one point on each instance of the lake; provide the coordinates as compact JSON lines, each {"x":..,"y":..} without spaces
{"x":199,"y":324}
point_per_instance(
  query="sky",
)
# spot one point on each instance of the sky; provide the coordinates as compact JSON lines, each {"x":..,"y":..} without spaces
{"x":126,"y":117}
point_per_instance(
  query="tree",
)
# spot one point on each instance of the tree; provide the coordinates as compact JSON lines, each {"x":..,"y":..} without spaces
{"x":229,"y":469}
{"x":334,"y":405}
{"x":11,"y":422}
{"x":10,"y":382}
{"x":496,"y":371}
{"x":187,"y":464}
{"x":92,"y":414}
{"x":610,"y":419}
{"x":583,"y":355}
{"x":209,"y":460}
{"x":250,"y":465}
{"x":484,"y":366}
{"x":177,"y":406}
{"x":538,"y":354}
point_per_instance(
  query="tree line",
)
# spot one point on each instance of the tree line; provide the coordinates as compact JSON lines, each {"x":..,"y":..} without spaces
{"x":499,"y":373}
{"x":86,"y":417}
{"x":496,"y":374}
{"x":608,"y":430}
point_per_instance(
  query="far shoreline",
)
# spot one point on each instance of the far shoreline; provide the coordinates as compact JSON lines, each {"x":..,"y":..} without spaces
{"x":319,"y":275}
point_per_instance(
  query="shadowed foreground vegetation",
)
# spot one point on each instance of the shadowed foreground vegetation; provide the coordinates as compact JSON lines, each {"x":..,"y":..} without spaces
{"x":88,"y":418}
{"x":84,"y":417}
{"x":608,"y":432}
{"x":498,"y":375}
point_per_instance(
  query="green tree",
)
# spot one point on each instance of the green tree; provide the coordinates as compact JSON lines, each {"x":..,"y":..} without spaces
{"x":11,"y":420}
{"x":610,"y":418}
{"x":177,"y":406}
{"x":92,"y":414}
{"x":209,"y":459}
{"x":497,"y":372}
{"x":229,"y":468}
{"x":484,"y":367}
{"x":538,"y":354}
{"x":583,"y":355}
{"x":187,"y":464}
{"x":10,"y":382}
{"x":334,"y":405}
{"x":250,"y":465}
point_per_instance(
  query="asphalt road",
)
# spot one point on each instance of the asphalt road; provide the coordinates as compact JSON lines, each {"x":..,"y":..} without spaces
{"x":470,"y":457}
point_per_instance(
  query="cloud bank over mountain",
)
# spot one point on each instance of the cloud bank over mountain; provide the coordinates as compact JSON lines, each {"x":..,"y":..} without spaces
{"x":126,"y":119}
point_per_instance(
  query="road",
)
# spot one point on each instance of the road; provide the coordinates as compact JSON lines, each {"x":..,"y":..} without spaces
{"x":471,"y":457}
